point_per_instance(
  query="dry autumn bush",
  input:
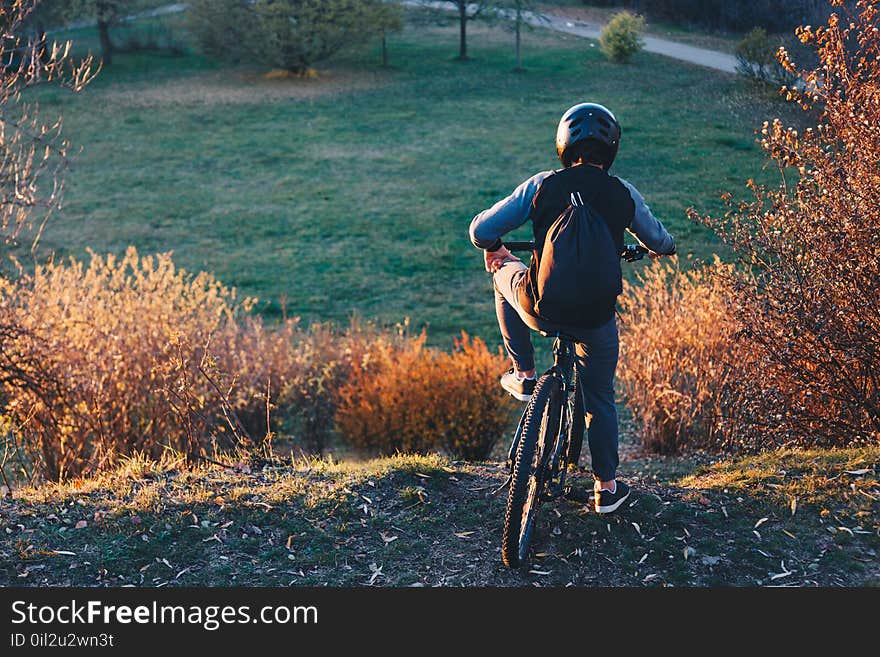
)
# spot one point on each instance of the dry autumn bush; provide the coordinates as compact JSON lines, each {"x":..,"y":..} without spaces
{"x":404,"y":397}
{"x":113,"y":351}
{"x":806,"y":296}
{"x":131,"y":355}
{"x":678,"y":374}
{"x":795,"y":324}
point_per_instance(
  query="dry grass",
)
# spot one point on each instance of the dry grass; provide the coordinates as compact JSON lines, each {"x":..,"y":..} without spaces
{"x":241,"y":87}
{"x":680,"y":365}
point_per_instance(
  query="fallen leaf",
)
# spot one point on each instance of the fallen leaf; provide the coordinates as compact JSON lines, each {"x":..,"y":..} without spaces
{"x":541,"y":572}
{"x":793,"y":505}
{"x":637,"y":528}
{"x":387,"y":539}
{"x":858,"y":472}
{"x":761,"y":522}
{"x":463,"y":534}
{"x":82,"y":524}
{"x":422,"y":475}
{"x":376,"y":570}
{"x":64,"y":553}
{"x":642,"y":560}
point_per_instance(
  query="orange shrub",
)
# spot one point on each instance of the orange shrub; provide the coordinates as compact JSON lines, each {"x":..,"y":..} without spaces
{"x":679,"y":365}
{"x":402,"y":396}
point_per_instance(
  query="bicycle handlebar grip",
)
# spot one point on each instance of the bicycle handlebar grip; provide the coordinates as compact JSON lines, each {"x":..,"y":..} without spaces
{"x":520,"y":246}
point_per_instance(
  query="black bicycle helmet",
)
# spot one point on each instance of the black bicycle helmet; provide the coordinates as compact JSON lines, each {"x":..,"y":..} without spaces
{"x":588,"y":121}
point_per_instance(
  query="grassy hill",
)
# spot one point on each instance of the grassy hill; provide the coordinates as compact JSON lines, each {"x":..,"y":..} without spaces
{"x":354,"y":191}
{"x":790,"y":518}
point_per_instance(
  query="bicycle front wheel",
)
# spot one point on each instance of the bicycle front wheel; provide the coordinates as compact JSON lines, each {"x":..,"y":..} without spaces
{"x":540,"y":426}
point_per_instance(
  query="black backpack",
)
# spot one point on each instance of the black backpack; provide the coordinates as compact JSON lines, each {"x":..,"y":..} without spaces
{"x":578,"y":271}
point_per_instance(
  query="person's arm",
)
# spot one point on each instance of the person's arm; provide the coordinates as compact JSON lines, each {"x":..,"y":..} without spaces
{"x":488,"y":227}
{"x":646,"y":228}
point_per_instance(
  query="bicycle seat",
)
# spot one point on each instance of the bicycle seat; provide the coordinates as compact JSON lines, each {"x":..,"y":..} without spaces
{"x":558,"y":334}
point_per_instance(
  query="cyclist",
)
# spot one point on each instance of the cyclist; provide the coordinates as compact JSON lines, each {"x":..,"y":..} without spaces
{"x":587,"y":141}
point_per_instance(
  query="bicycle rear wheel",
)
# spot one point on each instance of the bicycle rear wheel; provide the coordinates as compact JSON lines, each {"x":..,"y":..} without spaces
{"x":576,"y":426}
{"x":540,"y":427}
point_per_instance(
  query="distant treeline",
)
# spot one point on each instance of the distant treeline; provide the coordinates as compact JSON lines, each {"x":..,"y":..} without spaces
{"x":736,"y":15}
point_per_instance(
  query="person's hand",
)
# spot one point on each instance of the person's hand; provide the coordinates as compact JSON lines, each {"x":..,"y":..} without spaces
{"x":494,"y":259}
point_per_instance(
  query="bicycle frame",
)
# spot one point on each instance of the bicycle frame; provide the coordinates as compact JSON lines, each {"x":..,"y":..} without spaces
{"x":548,"y":435}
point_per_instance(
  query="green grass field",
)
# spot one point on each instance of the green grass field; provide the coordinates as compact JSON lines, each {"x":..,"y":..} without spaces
{"x":353,"y":192}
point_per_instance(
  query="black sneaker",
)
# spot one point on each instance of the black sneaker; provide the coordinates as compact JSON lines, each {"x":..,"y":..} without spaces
{"x":522,"y":389}
{"x":607,"y":502}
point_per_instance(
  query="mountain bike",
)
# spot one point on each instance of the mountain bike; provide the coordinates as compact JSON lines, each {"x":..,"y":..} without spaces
{"x":548,"y":438}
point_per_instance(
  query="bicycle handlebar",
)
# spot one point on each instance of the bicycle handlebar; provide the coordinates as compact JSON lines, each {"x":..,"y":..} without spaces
{"x":630,"y":253}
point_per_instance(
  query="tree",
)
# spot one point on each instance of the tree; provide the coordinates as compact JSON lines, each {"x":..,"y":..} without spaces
{"x":389,"y":18}
{"x":807,"y":295}
{"x":522,"y":14}
{"x":468,"y":11}
{"x":32,"y":153}
{"x":286,"y":34}
{"x":106,"y":14}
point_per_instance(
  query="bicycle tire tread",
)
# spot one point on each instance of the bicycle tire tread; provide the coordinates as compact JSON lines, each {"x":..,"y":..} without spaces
{"x":528,"y":442}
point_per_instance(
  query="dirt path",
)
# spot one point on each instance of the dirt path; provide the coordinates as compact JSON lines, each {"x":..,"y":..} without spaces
{"x":713,"y":59}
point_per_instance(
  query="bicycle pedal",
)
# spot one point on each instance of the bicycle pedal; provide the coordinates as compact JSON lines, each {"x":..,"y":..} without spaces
{"x":580,"y":495}
{"x":506,"y":483}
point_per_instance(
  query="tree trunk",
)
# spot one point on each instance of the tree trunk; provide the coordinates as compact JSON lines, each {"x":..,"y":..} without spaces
{"x":106,"y":43}
{"x":463,"y":19}
{"x":518,"y":28}
{"x":384,"y":50}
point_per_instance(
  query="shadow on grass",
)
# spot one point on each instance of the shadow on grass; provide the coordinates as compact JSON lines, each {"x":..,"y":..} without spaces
{"x":425,"y":521}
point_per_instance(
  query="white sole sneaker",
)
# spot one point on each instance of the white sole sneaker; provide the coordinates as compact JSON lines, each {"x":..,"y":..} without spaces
{"x":517,"y":387}
{"x":516,"y":395}
{"x":611,"y":508}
